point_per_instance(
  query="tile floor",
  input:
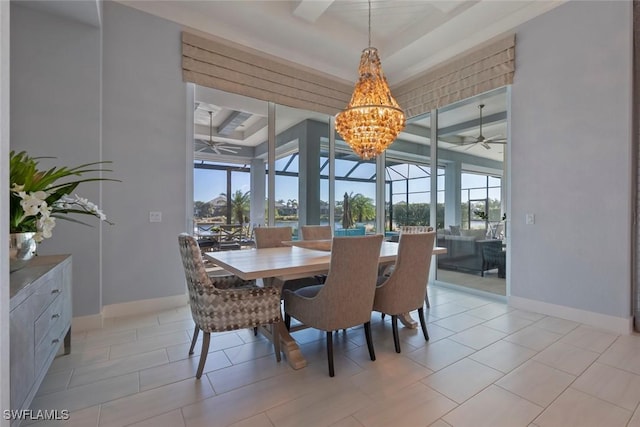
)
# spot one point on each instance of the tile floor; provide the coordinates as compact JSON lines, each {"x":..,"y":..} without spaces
{"x":485,"y":365}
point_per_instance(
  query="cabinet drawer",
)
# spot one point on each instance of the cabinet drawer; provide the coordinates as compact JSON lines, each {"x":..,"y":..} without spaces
{"x":46,"y":350}
{"x":51,"y":315}
{"x":46,"y":292}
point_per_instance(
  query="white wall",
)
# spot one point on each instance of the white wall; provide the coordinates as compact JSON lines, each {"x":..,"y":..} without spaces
{"x":571,"y":163}
{"x":55,"y":111}
{"x":144,"y":133}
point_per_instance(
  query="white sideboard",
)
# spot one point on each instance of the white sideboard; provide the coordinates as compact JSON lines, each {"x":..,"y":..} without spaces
{"x":40,"y":313}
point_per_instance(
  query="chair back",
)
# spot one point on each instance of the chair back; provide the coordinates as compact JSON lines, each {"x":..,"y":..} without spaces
{"x":405,"y":289}
{"x":195,"y":273}
{"x":407,"y":229}
{"x":194,"y":269}
{"x":350,"y":287}
{"x":271,"y":237}
{"x":315,"y":232}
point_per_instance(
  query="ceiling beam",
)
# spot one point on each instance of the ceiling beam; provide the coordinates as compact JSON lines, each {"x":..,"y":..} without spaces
{"x":311,"y":10}
{"x":231,"y":122}
{"x":471,"y":124}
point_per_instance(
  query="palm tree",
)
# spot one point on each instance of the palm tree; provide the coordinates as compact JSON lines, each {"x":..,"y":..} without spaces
{"x":362,"y":207}
{"x":240,"y":203}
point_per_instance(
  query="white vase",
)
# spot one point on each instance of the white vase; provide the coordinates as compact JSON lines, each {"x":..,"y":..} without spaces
{"x":22,"y":247}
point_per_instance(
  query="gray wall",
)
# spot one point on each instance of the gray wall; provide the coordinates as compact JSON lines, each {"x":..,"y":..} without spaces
{"x":571,"y":162}
{"x":5,"y":400}
{"x":55,"y":111}
{"x":138,"y":121}
{"x":144,"y":133}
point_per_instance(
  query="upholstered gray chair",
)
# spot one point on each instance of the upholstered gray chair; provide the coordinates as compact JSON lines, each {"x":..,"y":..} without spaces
{"x":272,"y":237}
{"x":226,"y":304}
{"x":346,"y":298}
{"x":315,"y":232}
{"x":405,"y":289}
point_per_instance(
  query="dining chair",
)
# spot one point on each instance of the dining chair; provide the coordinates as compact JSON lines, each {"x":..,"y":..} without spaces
{"x":415,"y":229}
{"x":405,"y":289}
{"x":409,"y":229}
{"x":272,"y":237}
{"x":224,"y":305}
{"x":346,"y":298}
{"x":315,"y":232}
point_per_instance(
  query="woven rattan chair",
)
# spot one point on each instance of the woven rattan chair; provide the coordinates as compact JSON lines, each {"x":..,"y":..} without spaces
{"x":345,"y":300}
{"x":225,"y":305}
{"x":405,"y":289}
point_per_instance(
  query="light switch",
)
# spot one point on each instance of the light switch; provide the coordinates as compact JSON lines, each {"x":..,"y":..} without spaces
{"x":530,"y":219}
{"x":155,"y":216}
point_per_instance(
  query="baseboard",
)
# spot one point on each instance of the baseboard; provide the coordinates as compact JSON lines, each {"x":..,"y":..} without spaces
{"x":619,"y":325}
{"x":85,"y":323}
{"x":144,"y":306}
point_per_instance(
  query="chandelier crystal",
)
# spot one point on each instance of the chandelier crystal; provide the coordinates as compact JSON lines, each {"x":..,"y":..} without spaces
{"x":373,"y":119}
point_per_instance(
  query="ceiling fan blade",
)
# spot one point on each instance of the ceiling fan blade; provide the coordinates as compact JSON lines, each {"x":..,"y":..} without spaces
{"x":486,"y":145}
{"x":496,"y":139}
{"x":231,"y":150}
{"x":470,"y":146}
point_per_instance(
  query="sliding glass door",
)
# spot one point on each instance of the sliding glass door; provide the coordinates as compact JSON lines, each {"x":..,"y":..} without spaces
{"x":471,"y":153}
{"x":315,"y":175}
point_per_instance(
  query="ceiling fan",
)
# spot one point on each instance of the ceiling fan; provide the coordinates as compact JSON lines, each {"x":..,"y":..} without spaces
{"x":481,"y":140}
{"x":219,"y":147}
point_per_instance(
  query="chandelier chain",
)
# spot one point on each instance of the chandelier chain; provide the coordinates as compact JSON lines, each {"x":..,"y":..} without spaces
{"x":369,"y":23}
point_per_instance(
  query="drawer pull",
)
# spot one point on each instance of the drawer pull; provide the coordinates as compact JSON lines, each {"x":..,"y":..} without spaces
{"x":55,"y":291}
{"x":55,"y":341}
{"x":55,"y":316}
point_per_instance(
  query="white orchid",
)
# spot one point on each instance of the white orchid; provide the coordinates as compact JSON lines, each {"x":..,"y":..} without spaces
{"x":44,"y":225}
{"x":37,"y":198}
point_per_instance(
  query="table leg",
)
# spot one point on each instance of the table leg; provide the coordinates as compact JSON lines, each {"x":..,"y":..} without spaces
{"x":288,"y":345}
{"x":407,"y":321}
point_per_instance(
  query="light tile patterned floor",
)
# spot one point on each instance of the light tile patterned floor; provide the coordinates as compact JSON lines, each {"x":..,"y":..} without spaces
{"x":485,"y":365}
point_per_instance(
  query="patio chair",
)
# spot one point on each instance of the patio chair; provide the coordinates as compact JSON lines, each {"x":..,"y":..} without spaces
{"x":226,"y":304}
{"x":345,"y":300}
{"x":493,"y":257}
{"x":405,"y":289}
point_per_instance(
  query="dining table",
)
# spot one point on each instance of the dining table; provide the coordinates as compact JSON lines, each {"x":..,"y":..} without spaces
{"x":276,"y":265}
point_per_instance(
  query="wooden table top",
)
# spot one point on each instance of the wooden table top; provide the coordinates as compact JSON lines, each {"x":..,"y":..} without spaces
{"x":288,"y":261}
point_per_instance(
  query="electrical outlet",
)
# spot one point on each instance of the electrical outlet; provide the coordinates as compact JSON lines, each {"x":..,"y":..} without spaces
{"x":155,"y":216}
{"x":530,"y":219}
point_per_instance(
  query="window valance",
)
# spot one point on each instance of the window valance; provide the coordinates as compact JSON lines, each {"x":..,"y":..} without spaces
{"x":236,"y":69}
{"x":469,"y":74}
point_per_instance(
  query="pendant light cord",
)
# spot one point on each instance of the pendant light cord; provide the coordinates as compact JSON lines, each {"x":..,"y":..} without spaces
{"x":369,"y":23}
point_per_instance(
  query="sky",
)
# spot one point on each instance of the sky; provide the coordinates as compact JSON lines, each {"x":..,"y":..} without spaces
{"x":209,"y":184}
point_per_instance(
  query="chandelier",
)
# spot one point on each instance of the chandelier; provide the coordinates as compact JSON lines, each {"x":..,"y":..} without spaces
{"x":373,"y":119}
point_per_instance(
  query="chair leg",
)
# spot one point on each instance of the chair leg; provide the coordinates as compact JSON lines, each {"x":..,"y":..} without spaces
{"x":203,"y":354}
{"x":382,"y":316}
{"x":426,"y":300}
{"x":367,"y":334}
{"x":275,"y":335}
{"x":394,"y":326}
{"x":423,"y":324}
{"x":255,"y":331}
{"x":330,"y":353}
{"x":196,"y":330}
{"x":287,"y":321}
